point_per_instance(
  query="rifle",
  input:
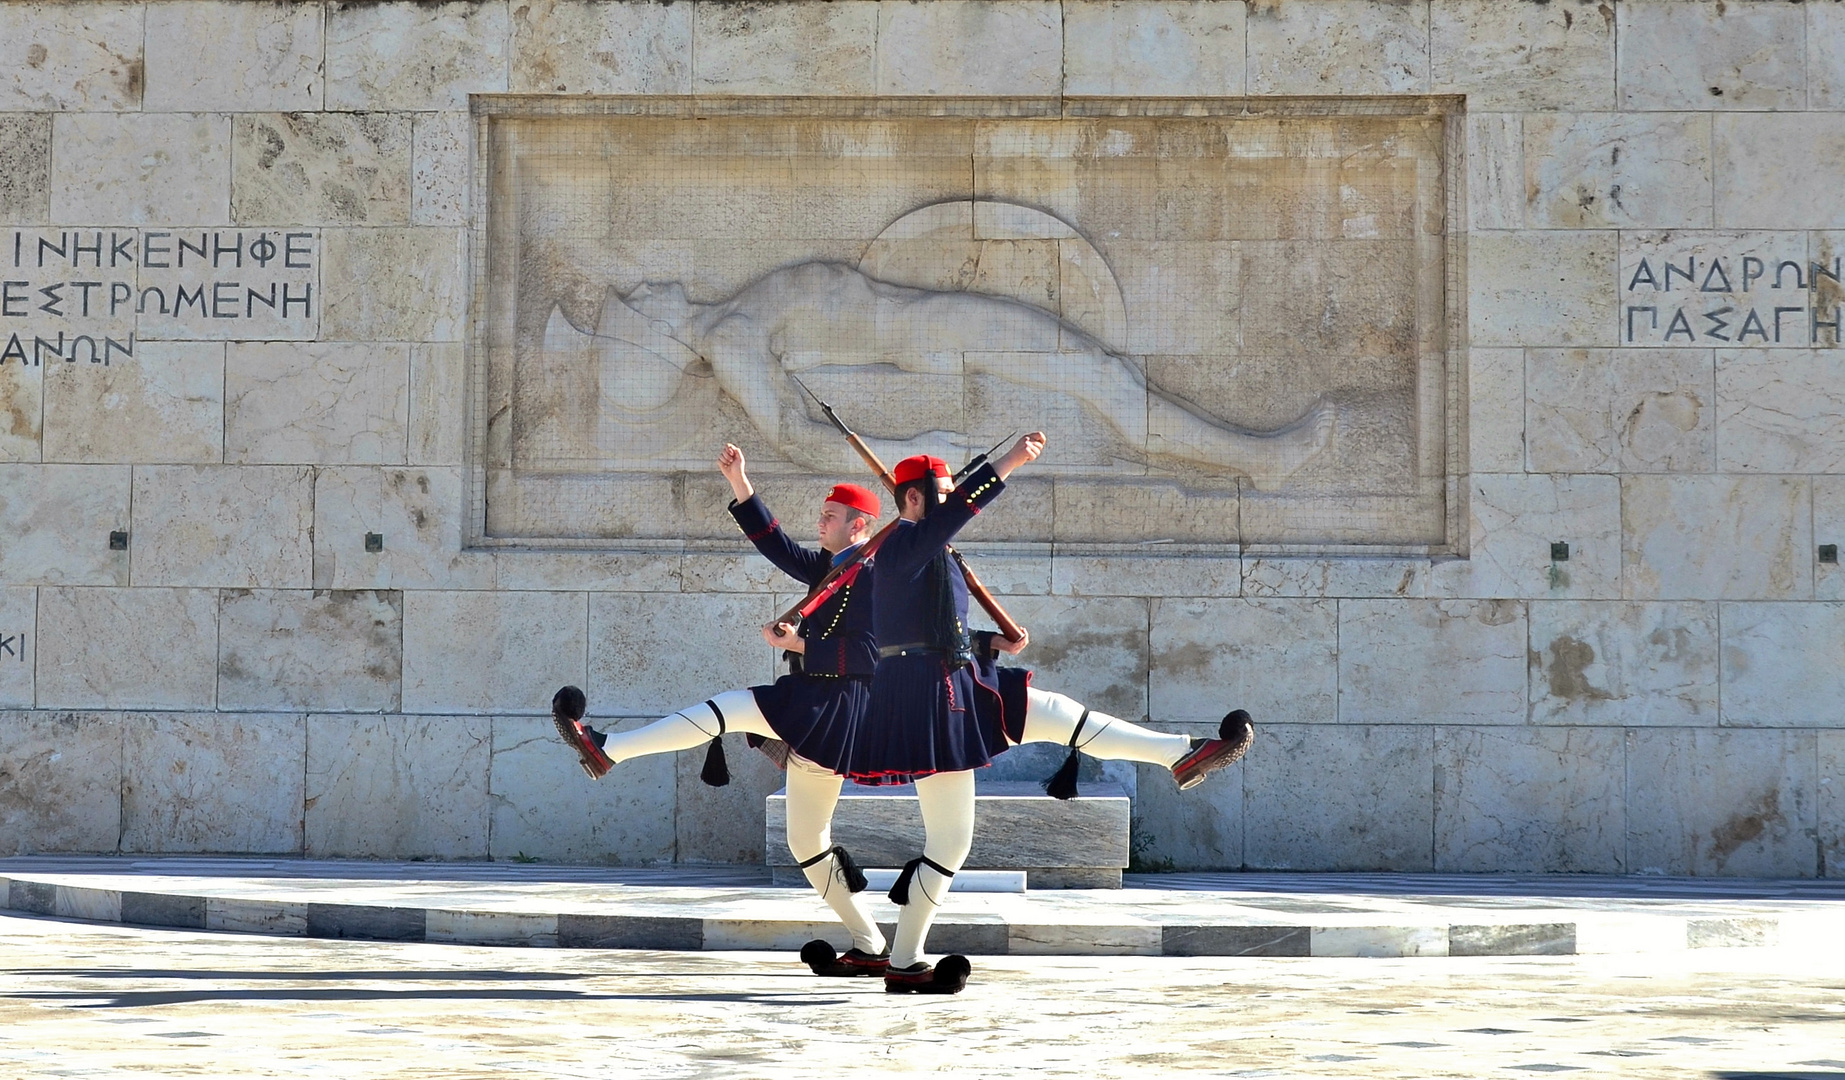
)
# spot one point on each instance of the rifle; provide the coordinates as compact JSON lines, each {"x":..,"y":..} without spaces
{"x":979,"y":460}
{"x":984,"y":597}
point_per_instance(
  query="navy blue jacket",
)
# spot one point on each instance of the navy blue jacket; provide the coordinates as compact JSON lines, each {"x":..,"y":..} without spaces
{"x":838,"y":633}
{"x":902,"y":607}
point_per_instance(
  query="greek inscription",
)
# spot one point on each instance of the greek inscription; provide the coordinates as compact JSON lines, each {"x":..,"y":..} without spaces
{"x":1718,"y":324}
{"x":1684,"y":290}
{"x":32,"y":350}
{"x":71,"y":246}
{"x":1820,"y":324}
{"x":101,"y":289}
{"x":13,"y":647}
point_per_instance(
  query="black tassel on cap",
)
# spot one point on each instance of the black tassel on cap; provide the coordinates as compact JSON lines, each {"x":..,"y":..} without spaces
{"x":849,"y":871}
{"x":717,"y":770}
{"x":1062,"y":784}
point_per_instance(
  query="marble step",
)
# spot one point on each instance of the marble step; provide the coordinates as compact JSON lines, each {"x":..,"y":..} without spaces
{"x":722,"y":908}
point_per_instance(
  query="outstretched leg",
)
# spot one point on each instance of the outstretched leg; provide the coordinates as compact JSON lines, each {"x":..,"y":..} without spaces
{"x":599,"y":751}
{"x":813,"y":792}
{"x":691,"y":727}
{"x":947,"y":802}
{"x":1053,"y":717}
{"x":1056,"y":718}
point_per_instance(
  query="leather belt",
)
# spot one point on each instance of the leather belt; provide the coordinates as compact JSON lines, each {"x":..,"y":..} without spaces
{"x":913,"y":648}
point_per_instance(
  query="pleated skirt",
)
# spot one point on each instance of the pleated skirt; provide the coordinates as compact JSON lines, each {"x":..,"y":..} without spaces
{"x":817,"y":716}
{"x":926,"y":717}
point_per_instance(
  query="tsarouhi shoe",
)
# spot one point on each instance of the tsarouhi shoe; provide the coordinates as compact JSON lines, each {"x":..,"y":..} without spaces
{"x":821,"y":956}
{"x":1209,"y":755}
{"x":567,"y":713}
{"x":947,"y":977}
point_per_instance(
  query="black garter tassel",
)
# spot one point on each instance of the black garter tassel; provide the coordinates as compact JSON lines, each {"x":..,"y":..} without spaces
{"x":900,"y":891}
{"x":849,"y":871}
{"x":848,"y":867}
{"x":1062,"y":784}
{"x":717,"y":770}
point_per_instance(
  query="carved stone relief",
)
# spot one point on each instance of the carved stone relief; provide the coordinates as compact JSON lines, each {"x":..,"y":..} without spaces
{"x":1235,"y":328}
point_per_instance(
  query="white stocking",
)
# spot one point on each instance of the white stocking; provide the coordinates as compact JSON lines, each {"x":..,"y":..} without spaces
{"x":690,"y":727}
{"x":1052,"y":718}
{"x":812,"y":794}
{"x":947,"y":801}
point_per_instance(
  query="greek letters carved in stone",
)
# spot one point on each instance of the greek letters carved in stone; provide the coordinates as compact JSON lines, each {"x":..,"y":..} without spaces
{"x":87,"y":295}
{"x":1720,"y":301}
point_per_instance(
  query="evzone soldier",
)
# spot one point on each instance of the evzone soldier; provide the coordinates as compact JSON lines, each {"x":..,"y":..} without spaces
{"x":814,"y":710}
{"x":940,"y":710}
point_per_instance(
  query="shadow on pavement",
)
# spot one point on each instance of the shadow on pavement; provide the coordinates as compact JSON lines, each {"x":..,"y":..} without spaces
{"x":1829,"y":1075}
{"x":136,"y":999}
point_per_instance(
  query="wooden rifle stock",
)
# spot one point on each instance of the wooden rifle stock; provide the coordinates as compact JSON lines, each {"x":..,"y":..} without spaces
{"x":1009,"y":629}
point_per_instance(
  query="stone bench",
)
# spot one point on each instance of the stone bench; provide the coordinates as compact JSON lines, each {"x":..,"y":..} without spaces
{"x":1079,"y":844}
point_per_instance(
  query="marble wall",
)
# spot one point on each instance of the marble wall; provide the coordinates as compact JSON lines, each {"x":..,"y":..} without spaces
{"x":234,"y":315}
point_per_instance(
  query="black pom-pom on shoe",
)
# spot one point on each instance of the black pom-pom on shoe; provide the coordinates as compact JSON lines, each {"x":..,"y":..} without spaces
{"x":825,"y":961}
{"x":818,"y":954}
{"x":567,"y":708}
{"x":947,"y":977}
{"x":1234,"y":734}
{"x":951,"y":974}
{"x":569,"y":703}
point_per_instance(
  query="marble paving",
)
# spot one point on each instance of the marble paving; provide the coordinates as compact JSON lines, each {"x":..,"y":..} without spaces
{"x":724,"y":908}
{"x":84,"y":1000}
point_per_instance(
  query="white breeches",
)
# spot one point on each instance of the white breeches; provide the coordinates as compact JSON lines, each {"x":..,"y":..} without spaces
{"x":1052,"y":718}
{"x":812,"y":793}
{"x":947,"y":801}
{"x":690,"y":727}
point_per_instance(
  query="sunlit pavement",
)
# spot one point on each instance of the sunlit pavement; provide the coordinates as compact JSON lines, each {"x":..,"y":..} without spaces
{"x":87,"y":1000}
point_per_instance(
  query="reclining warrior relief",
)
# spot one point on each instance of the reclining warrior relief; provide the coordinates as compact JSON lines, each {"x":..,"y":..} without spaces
{"x":831,"y":315}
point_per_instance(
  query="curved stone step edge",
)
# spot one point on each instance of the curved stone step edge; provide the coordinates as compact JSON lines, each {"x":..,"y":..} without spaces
{"x":1609,"y":933}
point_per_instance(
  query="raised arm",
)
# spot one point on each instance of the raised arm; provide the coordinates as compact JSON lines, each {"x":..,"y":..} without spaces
{"x":805,"y":565}
{"x":730,"y":462}
{"x":909,"y":548}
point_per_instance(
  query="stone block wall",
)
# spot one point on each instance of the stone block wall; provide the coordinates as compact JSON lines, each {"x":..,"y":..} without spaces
{"x":234,"y":296}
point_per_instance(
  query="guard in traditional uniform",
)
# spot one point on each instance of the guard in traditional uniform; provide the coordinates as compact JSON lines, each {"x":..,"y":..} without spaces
{"x":942,"y":707}
{"x":814,"y":710}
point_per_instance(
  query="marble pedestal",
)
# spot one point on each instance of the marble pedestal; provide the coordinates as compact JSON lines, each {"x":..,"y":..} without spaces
{"x":1078,"y":844}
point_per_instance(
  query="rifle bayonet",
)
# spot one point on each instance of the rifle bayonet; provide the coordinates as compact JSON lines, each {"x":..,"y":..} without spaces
{"x":824,"y":407}
{"x":980,"y":459}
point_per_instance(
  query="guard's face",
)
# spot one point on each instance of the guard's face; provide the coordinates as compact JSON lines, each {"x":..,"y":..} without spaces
{"x":835,"y":528}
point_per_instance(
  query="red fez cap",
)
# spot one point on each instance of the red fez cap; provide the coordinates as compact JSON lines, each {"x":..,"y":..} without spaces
{"x":854,"y":496}
{"x":915,"y":468}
